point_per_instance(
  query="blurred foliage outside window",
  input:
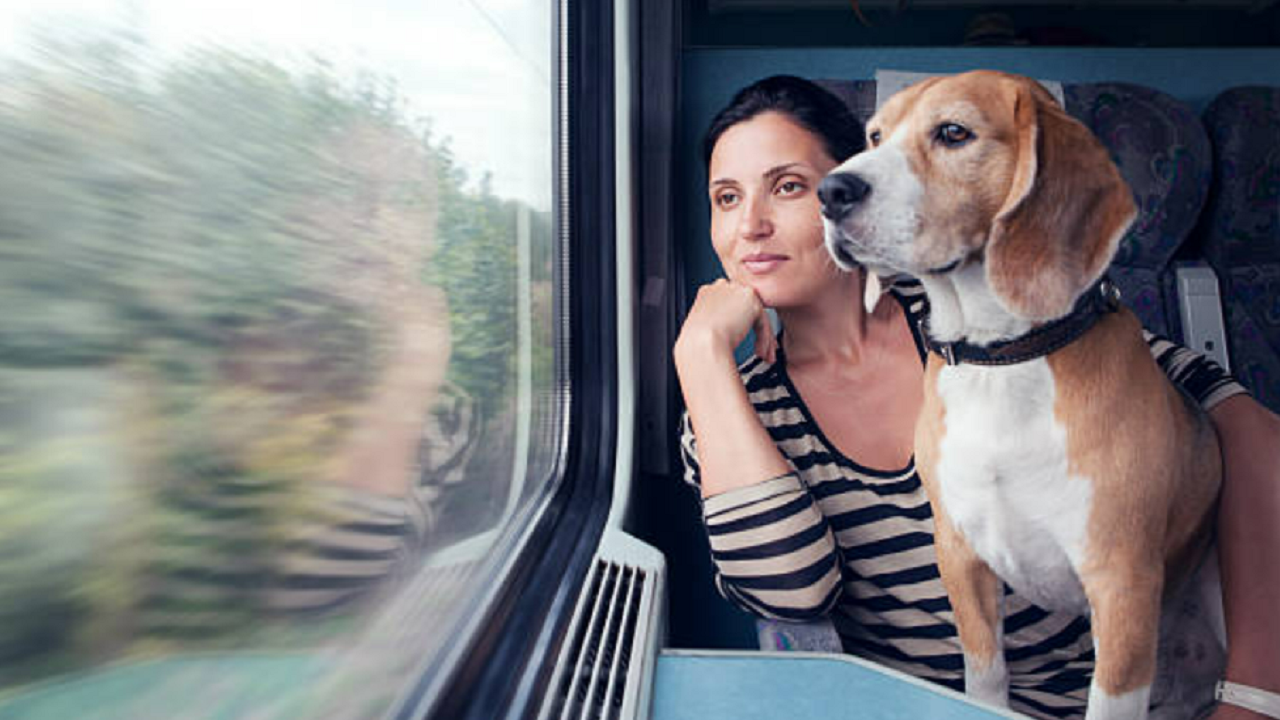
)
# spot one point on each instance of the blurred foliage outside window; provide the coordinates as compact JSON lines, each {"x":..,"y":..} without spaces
{"x":259,"y":365}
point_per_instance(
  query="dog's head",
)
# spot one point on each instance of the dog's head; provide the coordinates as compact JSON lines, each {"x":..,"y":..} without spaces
{"x":981,"y":167}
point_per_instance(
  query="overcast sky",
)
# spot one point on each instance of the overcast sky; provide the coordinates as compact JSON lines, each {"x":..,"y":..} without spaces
{"x":481,"y":69}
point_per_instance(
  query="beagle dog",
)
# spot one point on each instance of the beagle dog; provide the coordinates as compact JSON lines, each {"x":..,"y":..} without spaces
{"x":1056,"y":454}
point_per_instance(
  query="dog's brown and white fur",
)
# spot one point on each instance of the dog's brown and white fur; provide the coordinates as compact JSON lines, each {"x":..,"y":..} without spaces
{"x":1084,"y":479}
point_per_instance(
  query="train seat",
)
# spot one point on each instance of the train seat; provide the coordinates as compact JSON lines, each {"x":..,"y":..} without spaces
{"x":1241,"y":231}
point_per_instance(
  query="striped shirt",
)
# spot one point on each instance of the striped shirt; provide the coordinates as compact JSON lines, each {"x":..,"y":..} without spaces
{"x":838,"y":539}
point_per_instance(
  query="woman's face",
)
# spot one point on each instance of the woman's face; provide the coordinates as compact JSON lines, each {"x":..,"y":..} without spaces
{"x":765,"y":221}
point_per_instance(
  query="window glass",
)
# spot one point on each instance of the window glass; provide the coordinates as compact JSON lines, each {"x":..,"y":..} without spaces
{"x":278,"y":361}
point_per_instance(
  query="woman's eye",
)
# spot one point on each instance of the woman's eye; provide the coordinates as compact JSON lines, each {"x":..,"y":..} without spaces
{"x":726,"y":199}
{"x":790,"y":187}
{"x":953,"y":134}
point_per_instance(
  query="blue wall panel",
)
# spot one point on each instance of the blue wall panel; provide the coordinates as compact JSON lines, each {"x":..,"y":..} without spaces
{"x":711,"y":76}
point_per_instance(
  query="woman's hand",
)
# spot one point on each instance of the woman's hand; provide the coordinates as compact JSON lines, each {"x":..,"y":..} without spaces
{"x":722,"y":314}
{"x":734,"y":449}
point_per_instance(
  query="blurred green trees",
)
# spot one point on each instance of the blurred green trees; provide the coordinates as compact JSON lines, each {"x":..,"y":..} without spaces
{"x":192,"y":259}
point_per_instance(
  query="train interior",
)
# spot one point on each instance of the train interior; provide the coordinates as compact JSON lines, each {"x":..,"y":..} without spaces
{"x":1185,"y":97}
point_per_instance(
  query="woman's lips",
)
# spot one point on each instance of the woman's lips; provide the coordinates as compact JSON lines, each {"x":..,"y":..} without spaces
{"x":762,"y":263}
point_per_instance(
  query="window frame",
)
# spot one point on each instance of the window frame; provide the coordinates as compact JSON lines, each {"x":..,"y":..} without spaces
{"x":504,"y":659}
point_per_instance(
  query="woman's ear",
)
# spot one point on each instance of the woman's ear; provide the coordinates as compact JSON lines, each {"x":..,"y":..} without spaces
{"x":1065,"y":213}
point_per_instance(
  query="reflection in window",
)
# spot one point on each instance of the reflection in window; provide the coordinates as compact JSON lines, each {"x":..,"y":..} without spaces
{"x":277,"y":367}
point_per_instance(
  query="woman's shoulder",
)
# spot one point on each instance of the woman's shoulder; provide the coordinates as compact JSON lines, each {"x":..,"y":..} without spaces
{"x":910,"y":294}
{"x":755,"y":371}
{"x":907,"y":288}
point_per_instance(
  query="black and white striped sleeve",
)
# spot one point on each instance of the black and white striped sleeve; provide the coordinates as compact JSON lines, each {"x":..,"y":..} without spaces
{"x":1200,"y":377}
{"x":773,"y":552}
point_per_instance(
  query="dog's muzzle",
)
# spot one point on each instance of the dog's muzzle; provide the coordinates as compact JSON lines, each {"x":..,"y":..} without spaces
{"x":839,"y":193}
{"x":839,"y":251}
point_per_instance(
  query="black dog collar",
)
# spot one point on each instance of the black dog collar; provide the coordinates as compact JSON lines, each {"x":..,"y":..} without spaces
{"x":1102,"y":298}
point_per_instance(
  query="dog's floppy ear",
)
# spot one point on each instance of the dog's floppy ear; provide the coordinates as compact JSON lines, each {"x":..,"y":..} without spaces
{"x":1065,"y":213}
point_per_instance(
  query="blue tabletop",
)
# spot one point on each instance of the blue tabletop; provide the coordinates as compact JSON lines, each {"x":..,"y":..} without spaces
{"x":711,"y":685}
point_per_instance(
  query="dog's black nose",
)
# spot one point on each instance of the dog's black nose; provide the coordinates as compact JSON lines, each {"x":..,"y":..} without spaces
{"x":839,"y":192}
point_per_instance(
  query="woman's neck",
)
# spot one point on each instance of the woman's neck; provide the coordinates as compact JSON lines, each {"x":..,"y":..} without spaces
{"x":834,"y":327}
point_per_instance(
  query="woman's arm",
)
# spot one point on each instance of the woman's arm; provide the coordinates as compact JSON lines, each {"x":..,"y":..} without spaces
{"x":1248,"y":523}
{"x":1249,"y":544}
{"x":774,"y":554}
{"x":734,"y":449}
{"x":772,"y":549}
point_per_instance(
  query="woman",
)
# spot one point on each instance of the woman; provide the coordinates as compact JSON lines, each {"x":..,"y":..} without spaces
{"x":803,"y":454}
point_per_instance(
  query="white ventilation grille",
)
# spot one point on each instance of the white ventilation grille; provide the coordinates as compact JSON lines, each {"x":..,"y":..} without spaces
{"x":605,"y":668}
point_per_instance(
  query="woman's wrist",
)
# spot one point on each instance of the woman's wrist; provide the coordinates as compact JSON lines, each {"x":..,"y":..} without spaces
{"x":1246,"y":701}
{"x":1252,"y":672}
{"x":696,"y":349}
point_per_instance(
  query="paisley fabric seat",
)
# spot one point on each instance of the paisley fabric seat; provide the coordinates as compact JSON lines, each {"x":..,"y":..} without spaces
{"x":1241,"y":231}
{"x":1164,"y":154}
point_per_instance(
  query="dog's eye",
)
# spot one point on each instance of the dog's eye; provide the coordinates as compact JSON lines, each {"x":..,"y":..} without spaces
{"x":953,"y":135}
{"x":874,"y":137}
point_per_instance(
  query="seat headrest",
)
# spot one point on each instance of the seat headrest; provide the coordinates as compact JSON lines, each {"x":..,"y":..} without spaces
{"x":1242,"y":225}
{"x":859,"y":95}
{"x":1163,"y":153}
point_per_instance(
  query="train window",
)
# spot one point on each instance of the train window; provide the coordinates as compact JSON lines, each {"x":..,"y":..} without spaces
{"x":279,"y":357}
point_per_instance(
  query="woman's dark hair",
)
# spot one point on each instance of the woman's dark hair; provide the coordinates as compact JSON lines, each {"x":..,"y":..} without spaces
{"x":808,"y":104}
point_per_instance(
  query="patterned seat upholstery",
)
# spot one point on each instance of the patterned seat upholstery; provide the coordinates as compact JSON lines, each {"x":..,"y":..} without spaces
{"x":859,"y":95}
{"x":1241,"y":230}
{"x":1163,"y":153}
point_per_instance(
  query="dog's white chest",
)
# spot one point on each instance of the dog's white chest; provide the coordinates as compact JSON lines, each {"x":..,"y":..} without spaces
{"x":1003,"y":474}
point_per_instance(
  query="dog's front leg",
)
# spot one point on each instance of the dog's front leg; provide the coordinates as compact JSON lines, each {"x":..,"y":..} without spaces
{"x":977,"y":599}
{"x":1125,"y":601}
